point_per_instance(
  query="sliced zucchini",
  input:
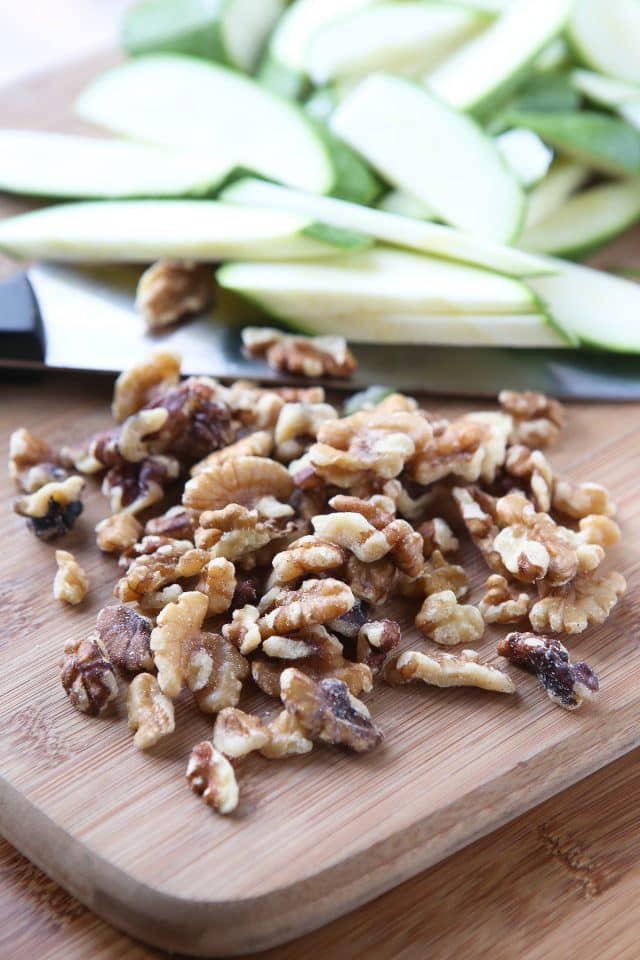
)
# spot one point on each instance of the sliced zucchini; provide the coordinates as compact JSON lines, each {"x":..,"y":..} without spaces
{"x":229,"y":31}
{"x":62,"y":165}
{"x":283,"y":68}
{"x":379,"y":280}
{"x":618,"y":95}
{"x":604,"y":143}
{"x":464,"y":330}
{"x":138,"y":231}
{"x":555,"y":56}
{"x":586,"y":221}
{"x":389,"y":228}
{"x":547,"y":93}
{"x":409,"y":38}
{"x":182,"y":102}
{"x":526,"y":154}
{"x":600,"y":310}
{"x":487,"y":68}
{"x":435,"y":154}
{"x":404,"y":205}
{"x":564,"y":178}
{"x":604,"y":34}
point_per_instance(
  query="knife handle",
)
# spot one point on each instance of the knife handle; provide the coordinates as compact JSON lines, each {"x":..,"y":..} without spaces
{"x":22,"y":336}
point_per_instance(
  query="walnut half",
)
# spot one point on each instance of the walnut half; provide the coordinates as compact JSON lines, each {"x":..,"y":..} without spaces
{"x":150,"y":711}
{"x":212,"y":777}
{"x":87,"y":675}
{"x":447,"y":670}
{"x":70,"y":583}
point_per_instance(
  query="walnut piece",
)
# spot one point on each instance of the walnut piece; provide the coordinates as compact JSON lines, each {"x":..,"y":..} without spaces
{"x":87,"y":675}
{"x":436,"y":575}
{"x":357,"y":676}
{"x":448,"y":622}
{"x":573,"y":607}
{"x":215,"y":673}
{"x":211,"y":776}
{"x":150,"y":712}
{"x":580,"y":500}
{"x":32,"y":463}
{"x":176,"y":523}
{"x":316,"y":601}
{"x":315,"y":641}
{"x":297,"y":427}
{"x":286,"y":738}
{"x":533,"y":466}
{"x":371,"y":582}
{"x":178,"y":630}
{"x":144,"y":382}
{"x":53,"y":509}
{"x":376,"y":640}
{"x":118,"y":533}
{"x":315,"y":357}
{"x":237,"y":533}
{"x":127,"y":638}
{"x":537,"y":419}
{"x":172,"y":289}
{"x":244,"y":481}
{"x":133,"y":487}
{"x":243,"y":631}
{"x":567,"y":684}
{"x":470,"y":448}
{"x":236,"y":733}
{"x":502,"y":603}
{"x":258,"y":444}
{"x":170,"y":561}
{"x":437,"y":535}
{"x":447,"y":670}
{"x":355,"y":533}
{"x":328,"y":712}
{"x":218,"y":582}
{"x":70,"y":584}
{"x":308,"y":555}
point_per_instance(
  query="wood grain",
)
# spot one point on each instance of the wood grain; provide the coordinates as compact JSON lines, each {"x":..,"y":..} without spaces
{"x":313,"y":837}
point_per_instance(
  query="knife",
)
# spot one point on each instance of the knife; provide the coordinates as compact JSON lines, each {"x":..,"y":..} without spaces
{"x":64,"y":318}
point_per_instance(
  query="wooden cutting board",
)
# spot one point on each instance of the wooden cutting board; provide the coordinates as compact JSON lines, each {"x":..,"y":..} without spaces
{"x":315,"y":836}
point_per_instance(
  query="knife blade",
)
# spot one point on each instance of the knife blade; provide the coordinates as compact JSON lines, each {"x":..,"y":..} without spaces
{"x":66,"y":318}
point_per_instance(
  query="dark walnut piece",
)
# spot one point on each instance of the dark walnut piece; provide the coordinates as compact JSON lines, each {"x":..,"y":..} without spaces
{"x":87,"y":675}
{"x":567,"y":684}
{"x":53,"y":509}
{"x":126,"y":636}
{"x":328,"y":712}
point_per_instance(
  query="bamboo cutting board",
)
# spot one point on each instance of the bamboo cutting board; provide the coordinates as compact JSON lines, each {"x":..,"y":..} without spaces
{"x":314,"y":836}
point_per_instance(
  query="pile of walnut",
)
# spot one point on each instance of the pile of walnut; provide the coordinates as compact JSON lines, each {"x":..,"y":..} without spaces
{"x":294,"y":527}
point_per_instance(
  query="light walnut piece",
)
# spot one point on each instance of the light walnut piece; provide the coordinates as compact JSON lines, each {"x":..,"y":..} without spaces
{"x":567,"y":684}
{"x":411,"y":505}
{"x":286,"y":738}
{"x":406,"y":547}
{"x":178,"y":630}
{"x":378,"y":509}
{"x":352,"y":532}
{"x":316,"y":601}
{"x":297,"y":427}
{"x":118,"y":533}
{"x":144,"y":382}
{"x":532,"y":466}
{"x":134,"y":487}
{"x":315,"y":641}
{"x":357,"y":676}
{"x":237,"y":533}
{"x":437,"y":574}
{"x":170,"y":290}
{"x":211,"y":776}
{"x":437,"y":535}
{"x":594,"y":530}
{"x":371,"y":582}
{"x":32,"y":463}
{"x":308,"y":555}
{"x":218,"y":582}
{"x":572,"y":608}
{"x":126,"y":636}
{"x":376,"y":640}
{"x":448,"y":622}
{"x":236,"y":733}
{"x":503,"y":602}
{"x":53,"y":509}
{"x":537,"y":419}
{"x":258,"y":444}
{"x":579,"y":500}
{"x":447,"y":670}
{"x":477,"y":511}
{"x":315,"y":357}
{"x":150,"y":712}
{"x":176,"y":522}
{"x":470,"y":448}
{"x":87,"y":675}
{"x":243,"y":481}
{"x":215,"y":673}
{"x":152,"y":602}
{"x":370,"y":443}
{"x":172,"y":560}
{"x":257,"y":407}
{"x":135,"y":440}
{"x":328,"y":712}
{"x":70,"y":584}
{"x":243,"y":631}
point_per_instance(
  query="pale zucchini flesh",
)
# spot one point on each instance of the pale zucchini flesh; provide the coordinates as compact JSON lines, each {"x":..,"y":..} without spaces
{"x":562,"y":181}
{"x":489,"y":67}
{"x":381,"y":279}
{"x":404,"y":205}
{"x":62,"y":165}
{"x":232,"y":32}
{"x":185,"y":103}
{"x":526,"y":154}
{"x":600,"y":310}
{"x":432,"y":152}
{"x":401,"y":37}
{"x":604,"y":34}
{"x":586,"y":221}
{"x":389,"y":228}
{"x":138,"y":231}
{"x":618,"y":95}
